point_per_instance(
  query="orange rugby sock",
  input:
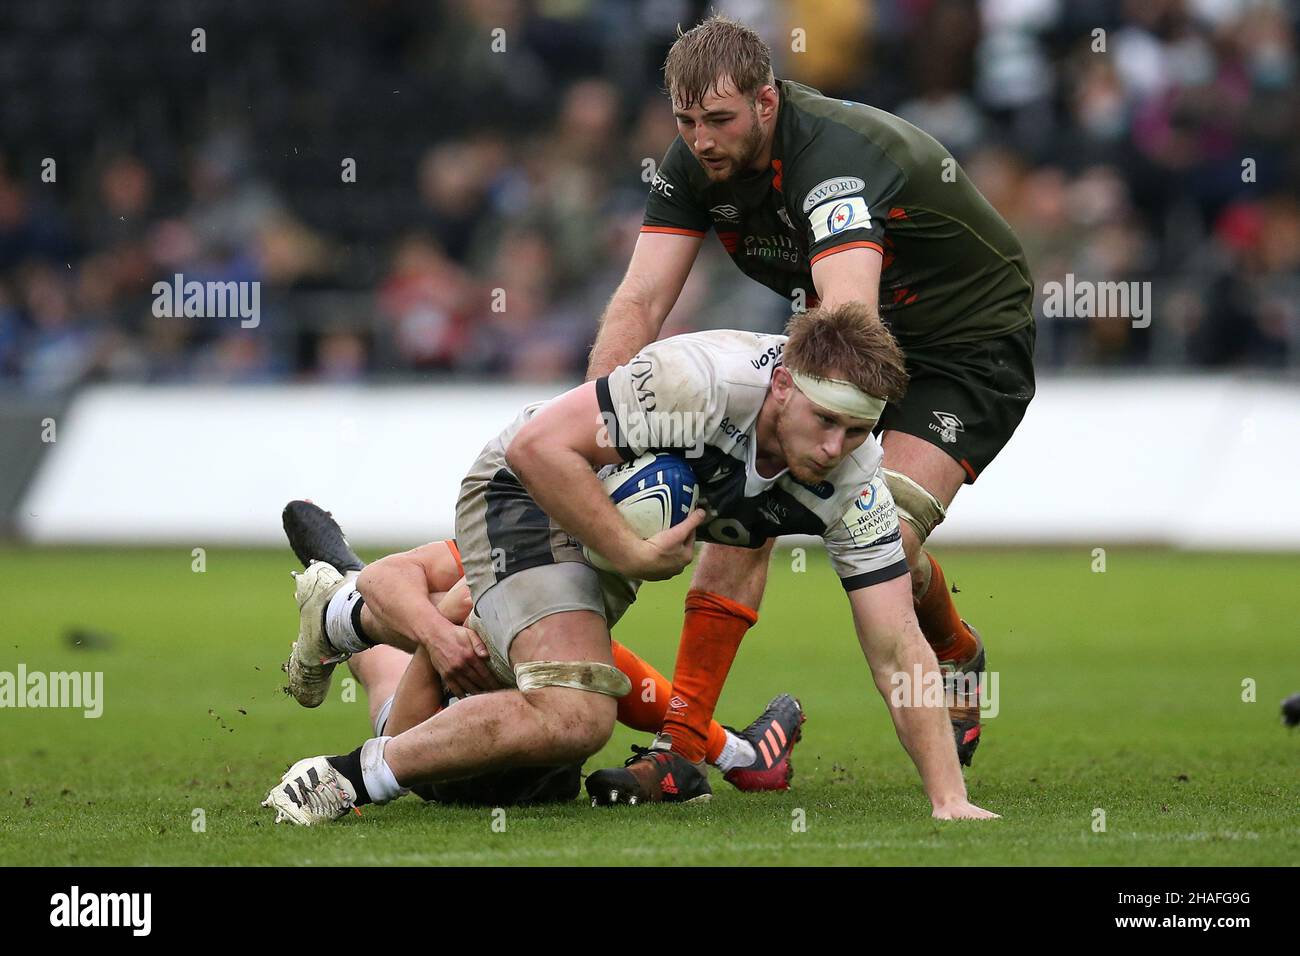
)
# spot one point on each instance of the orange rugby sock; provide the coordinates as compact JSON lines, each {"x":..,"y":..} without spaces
{"x":942,"y":626}
{"x":641,"y":708}
{"x":711,"y":635}
{"x":644,"y":706}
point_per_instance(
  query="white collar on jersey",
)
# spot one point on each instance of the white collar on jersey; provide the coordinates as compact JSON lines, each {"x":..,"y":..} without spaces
{"x":754,"y":482}
{"x":838,"y":396}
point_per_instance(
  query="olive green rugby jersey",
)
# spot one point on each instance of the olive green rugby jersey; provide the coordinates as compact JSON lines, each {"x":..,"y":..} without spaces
{"x":843,"y":176}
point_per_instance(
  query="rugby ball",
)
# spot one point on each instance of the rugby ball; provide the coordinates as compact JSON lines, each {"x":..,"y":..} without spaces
{"x":652,"y":493}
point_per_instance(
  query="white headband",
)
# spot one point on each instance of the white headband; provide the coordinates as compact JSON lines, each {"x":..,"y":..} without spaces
{"x":837,"y":396}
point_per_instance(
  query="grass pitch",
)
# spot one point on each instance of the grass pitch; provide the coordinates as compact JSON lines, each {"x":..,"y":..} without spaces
{"x":1119,"y":691}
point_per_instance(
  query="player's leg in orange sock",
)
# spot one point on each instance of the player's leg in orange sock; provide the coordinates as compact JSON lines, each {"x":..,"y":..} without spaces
{"x":644,"y":706}
{"x":711,"y":635}
{"x":641,"y":708}
{"x":942,"y":626}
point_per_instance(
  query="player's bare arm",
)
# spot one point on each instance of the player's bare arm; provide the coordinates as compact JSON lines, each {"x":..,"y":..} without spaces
{"x":849,"y":275}
{"x":893,"y":644}
{"x":554,"y":456}
{"x":660,"y":264}
{"x":399,"y":591}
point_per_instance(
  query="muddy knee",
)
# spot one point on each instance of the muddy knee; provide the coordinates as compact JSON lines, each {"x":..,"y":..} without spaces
{"x":578,"y":722}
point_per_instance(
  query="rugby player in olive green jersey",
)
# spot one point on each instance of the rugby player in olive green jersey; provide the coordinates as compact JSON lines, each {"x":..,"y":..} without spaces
{"x":826,"y":201}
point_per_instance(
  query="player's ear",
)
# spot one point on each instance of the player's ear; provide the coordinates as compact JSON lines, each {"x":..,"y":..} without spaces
{"x":782,"y":385}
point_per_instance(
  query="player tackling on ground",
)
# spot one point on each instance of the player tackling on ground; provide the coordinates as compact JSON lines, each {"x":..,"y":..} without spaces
{"x":399,"y":630}
{"x":781,"y":433}
{"x":824,"y":200}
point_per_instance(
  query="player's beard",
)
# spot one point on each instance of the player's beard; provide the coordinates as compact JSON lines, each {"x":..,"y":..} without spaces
{"x":801,"y":469}
{"x":740,"y":164}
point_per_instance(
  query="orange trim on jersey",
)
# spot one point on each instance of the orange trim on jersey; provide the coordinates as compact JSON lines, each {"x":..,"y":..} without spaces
{"x":969,"y":470}
{"x":674,"y":231}
{"x":455,"y":553}
{"x":848,"y":245}
{"x":898,"y":212}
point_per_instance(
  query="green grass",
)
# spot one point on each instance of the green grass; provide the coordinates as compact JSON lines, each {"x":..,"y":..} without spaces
{"x":1120,"y":691}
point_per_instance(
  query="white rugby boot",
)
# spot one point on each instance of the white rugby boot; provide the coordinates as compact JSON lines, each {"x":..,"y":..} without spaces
{"x":312,"y":792}
{"x":312,"y":660}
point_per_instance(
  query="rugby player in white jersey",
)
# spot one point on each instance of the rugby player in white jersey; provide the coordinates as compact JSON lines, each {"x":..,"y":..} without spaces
{"x":397,"y":624}
{"x":781,"y":442}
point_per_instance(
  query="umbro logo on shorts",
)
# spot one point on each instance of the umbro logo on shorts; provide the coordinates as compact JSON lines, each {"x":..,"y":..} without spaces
{"x":948,"y":427}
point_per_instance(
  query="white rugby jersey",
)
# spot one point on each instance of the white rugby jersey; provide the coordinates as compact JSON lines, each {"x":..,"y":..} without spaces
{"x":699,"y":395}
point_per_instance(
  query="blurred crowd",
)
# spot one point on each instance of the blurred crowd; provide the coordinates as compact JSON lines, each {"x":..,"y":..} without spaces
{"x":498,"y":192}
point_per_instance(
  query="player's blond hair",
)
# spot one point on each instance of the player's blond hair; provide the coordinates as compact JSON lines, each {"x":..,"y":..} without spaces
{"x":706,"y":56}
{"x":850,"y":344}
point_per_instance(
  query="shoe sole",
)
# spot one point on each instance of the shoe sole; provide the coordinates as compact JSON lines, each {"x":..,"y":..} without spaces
{"x":614,"y":796}
{"x":621,"y":801}
{"x":308,"y":694}
{"x":314,"y":535}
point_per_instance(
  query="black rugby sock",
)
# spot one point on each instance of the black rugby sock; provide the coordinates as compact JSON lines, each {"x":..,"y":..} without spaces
{"x":356,"y":622}
{"x":350,"y":766}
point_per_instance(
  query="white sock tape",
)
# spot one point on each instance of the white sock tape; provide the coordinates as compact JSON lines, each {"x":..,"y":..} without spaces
{"x":375,"y":772}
